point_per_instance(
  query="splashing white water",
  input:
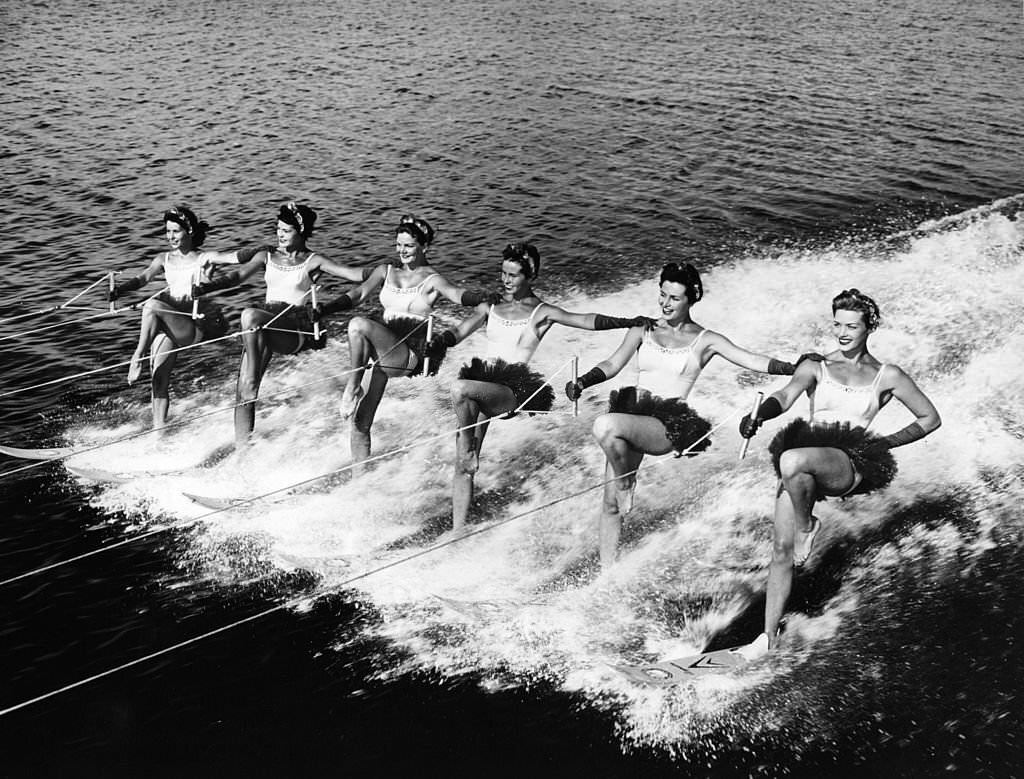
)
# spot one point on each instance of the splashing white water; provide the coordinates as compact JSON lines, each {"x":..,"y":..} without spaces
{"x":696,"y":545}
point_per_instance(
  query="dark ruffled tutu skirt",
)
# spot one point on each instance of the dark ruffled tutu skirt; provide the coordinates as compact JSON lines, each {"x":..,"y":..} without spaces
{"x":518,"y":377}
{"x":213,"y":323}
{"x":413,"y":333}
{"x":683,"y":425}
{"x":299,"y":320}
{"x":876,"y":468}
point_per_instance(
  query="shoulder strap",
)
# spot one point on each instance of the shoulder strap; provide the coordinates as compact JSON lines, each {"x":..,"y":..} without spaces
{"x":428,"y":278}
{"x":696,"y":340}
{"x":878,"y":376}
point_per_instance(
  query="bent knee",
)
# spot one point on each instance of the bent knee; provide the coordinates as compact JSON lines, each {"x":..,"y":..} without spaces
{"x":604,"y":427}
{"x":793,"y":463}
{"x":460,"y":391}
{"x":251,"y":317}
{"x":359,"y":325}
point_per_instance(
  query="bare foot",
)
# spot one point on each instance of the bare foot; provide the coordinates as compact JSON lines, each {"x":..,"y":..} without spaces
{"x":134,"y":369}
{"x":350,"y":401}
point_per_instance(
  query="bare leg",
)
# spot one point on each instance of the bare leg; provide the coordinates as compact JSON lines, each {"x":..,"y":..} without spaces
{"x":161,"y":364}
{"x":160,"y":318}
{"x":780,"y":572}
{"x":804,"y":472}
{"x":473,"y":400}
{"x":149,"y":330}
{"x":365,"y":411}
{"x":360,"y":353}
{"x":366,"y":340}
{"x":256,"y":354}
{"x":625,"y":439}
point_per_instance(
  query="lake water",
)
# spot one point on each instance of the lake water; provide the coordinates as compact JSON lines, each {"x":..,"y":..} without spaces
{"x":789,"y":150}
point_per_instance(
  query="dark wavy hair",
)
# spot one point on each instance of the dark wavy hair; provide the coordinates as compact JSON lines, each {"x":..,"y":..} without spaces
{"x":185,"y":216}
{"x":687,"y":276}
{"x":419,"y":229}
{"x":299,"y":216}
{"x":854,"y":300}
{"x":526,"y":255}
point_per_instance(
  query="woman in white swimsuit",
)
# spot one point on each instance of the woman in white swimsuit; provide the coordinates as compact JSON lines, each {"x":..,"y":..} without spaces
{"x":283,"y":323}
{"x":397,"y":345}
{"x":833,"y":455}
{"x":501,"y":382}
{"x":169,"y":321}
{"x":652,"y":416}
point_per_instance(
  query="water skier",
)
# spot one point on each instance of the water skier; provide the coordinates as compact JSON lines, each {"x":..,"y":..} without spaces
{"x":652,"y":416}
{"x":167,"y":319}
{"x":833,"y":455}
{"x":282,"y":324}
{"x":397,"y":345}
{"x":502,"y":382}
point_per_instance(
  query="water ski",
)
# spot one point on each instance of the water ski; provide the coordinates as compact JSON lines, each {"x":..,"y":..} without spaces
{"x":98,"y":475}
{"x":37,"y":454}
{"x":217,"y":504}
{"x":473,"y":609}
{"x":683,"y":669}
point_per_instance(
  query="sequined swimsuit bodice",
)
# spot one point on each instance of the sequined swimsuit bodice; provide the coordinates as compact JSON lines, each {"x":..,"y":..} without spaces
{"x":504,"y":337}
{"x":287,"y":283}
{"x":663,"y":370}
{"x":834,"y":401}
{"x":408,"y":302}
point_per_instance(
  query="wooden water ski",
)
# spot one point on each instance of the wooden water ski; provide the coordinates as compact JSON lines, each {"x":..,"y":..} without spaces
{"x":684,"y":669}
{"x":217,"y":504}
{"x":101,"y":476}
{"x":52,"y":453}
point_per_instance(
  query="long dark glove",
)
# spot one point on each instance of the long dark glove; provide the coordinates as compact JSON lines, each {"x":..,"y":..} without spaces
{"x":602,"y":322}
{"x":911,"y":432}
{"x":245,"y":255}
{"x":341,"y":303}
{"x":439,"y":344}
{"x":573,"y":389}
{"x":782,"y":368}
{"x":125,"y":286}
{"x":470,"y":299}
{"x":769,"y":409}
{"x":231,"y":279}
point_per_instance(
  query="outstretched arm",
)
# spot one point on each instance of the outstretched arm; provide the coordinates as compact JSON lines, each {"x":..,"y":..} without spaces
{"x":346,"y":300}
{"x":226,"y":280}
{"x":762,"y":363}
{"x":803,"y":380}
{"x":608,"y":368}
{"x":447,"y":339}
{"x":460,"y":295}
{"x":549,"y":315}
{"x":347,"y":272}
{"x":139,"y":281}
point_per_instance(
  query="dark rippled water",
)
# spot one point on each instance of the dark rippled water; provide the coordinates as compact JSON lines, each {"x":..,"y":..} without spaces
{"x":789,"y":149}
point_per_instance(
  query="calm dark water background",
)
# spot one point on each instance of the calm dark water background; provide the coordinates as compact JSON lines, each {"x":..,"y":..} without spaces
{"x":789,"y":149}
